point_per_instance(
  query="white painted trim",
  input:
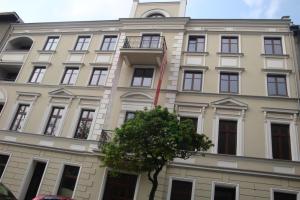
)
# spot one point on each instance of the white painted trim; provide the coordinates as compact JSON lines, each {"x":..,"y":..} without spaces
{"x":58,"y":180}
{"x":228,"y":185}
{"x":240,"y":132}
{"x":272,"y":190}
{"x":171,"y":178}
{"x":103,"y":183}
{"x":13,"y":114}
{"x":294,"y":142}
{"x":9,"y":157}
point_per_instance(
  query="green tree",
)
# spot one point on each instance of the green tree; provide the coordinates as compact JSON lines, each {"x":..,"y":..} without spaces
{"x":150,"y":141}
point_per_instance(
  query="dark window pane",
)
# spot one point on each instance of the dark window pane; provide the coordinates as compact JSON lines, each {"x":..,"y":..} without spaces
{"x":281,"y":147}
{"x":196,"y":44}
{"x":273,"y":46}
{"x":120,"y":187}
{"x":277,"y":85}
{"x":224,"y":193}
{"x":229,"y":82}
{"x":227,"y":141}
{"x":129,"y":116}
{"x":193,"y":119}
{"x":3,"y":162}
{"x":84,"y":124}
{"x":142,"y":77}
{"x":54,"y":121}
{"x":37,"y":74}
{"x":19,"y":118}
{"x":150,"y":41}
{"x":70,"y":76}
{"x":192,"y":80}
{"x":68,"y":181}
{"x":229,"y":44}
{"x":181,"y":190}
{"x":51,"y":43}
{"x":284,"y":196}
{"x":82,"y":43}
{"x":109,"y":43}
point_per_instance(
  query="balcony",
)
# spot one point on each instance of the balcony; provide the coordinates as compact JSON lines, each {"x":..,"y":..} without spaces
{"x":143,"y":50}
{"x":9,"y":72}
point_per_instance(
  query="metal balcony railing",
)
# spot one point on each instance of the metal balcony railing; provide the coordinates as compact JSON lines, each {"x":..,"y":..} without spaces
{"x":145,"y":42}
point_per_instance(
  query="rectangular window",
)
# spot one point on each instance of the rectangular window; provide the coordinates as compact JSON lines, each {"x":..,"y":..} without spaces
{"x":196,"y":44}
{"x":281,"y":146}
{"x":51,"y":43}
{"x":84,"y":124}
{"x":3,"y":163}
{"x":109,"y":43}
{"x":273,"y":45}
{"x":227,"y":140}
{"x":150,"y":41}
{"x":54,"y":121}
{"x":229,"y":44}
{"x":276,"y":85}
{"x":1,"y":107}
{"x":37,"y":74}
{"x":142,"y":77}
{"x":98,"y":76}
{"x":121,"y":186}
{"x":19,"y":118}
{"x":129,"y":116}
{"x":193,"y":119}
{"x":82,"y":43}
{"x":284,"y":196}
{"x":225,"y":193}
{"x":68,"y":181}
{"x":181,"y":190}
{"x":229,"y":82}
{"x":70,"y":76}
{"x":192,"y":81}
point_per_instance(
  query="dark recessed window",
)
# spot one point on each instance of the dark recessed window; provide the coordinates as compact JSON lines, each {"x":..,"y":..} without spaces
{"x":98,"y":76}
{"x":1,"y":106}
{"x":281,"y":146}
{"x":37,"y":74}
{"x":229,"y":82}
{"x":273,"y":46}
{"x":224,"y":193}
{"x":120,"y":186}
{"x":54,"y":121}
{"x":150,"y":41}
{"x":19,"y":118}
{"x":68,"y":181}
{"x":229,"y":44}
{"x":193,"y":119}
{"x":156,"y":15}
{"x":70,"y":76}
{"x":284,"y":196}
{"x":192,"y":81}
{"x":277,"y":85}
{"x":51,"y":43}
{"x":129,"y":115}
{"x":109,"y":43}
{"x":227,"y":141}
{"x":142,"y":77}
{"x":84,"y":124}
{"x":196,"y":44}
{"x":3,"y":162}
{"x":181,"y":190}
{"x":82,"y":43}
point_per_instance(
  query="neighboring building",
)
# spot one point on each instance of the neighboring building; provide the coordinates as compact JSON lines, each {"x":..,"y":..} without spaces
{"x":66,"y":83}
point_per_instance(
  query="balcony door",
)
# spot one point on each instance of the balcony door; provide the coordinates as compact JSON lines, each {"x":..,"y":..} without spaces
{"x":150,"y":41}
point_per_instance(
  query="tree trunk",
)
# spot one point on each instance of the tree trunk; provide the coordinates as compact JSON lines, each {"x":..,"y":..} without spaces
{"x":154,"y":182}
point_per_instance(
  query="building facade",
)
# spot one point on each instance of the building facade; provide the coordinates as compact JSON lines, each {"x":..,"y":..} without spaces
{"x":64,"y":84}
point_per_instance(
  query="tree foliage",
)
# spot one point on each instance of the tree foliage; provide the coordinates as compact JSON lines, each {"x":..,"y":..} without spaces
{"x":149,"y":141}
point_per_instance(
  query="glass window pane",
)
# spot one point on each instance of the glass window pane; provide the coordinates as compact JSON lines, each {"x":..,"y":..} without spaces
{"x":147,"y":82}
{"x":234,"y":86}
{"x":224,"y":86}
{"x":137,"y":81}
{"x":271,"y":89}
{"x":197,"y":84}
{"x":187,"y":84}
{"x":234,"y":48}
{"x":277,"y":49}
{"x":225,"y":48}
{"x":282,"y":89}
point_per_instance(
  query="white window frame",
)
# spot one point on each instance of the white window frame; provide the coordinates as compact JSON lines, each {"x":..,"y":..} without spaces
{"x":193,"y":181}
{"x":272,"y":190}
{"x":228,"y":185}
{"x":273,"y":36}
{"x":293,"y":138}
{"x":13,"y":114}
{"x":239,"y":134}
{"x":104,"y":179}
{"x":239,"y":84}
{"x":58,"y":42}
{"x":75,"y":43}
{"x":199,"y":35}
{"x":48,"y":114}
{"x":143,"y":67}
{"x":230,"y":35}
{"x":60,"y":173}
{"x":193,"y":70}
{"x":287,"y":78}
{"x":77,"y":118}
{"x":9,"y":157}
{"x":30,"y":170}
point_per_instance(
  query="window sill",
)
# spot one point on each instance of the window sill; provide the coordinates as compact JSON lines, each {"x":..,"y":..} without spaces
{"x":229,"y":93}
{"x":78,"y":52}
{"x":275,"y":70}
{"x":47,"y":52}
{"x":194,"y":67}
{"x":230,"y":54}
{"x":41,"y":63}
{"x":105,"y":52}
{"x":77,"y":64}
{"x":191,"y":91}
{"x":278,"y":96}
{"x":99,"y":64}
{"x":235,"y":69}
{"x":275,"y":55}
{"x":195,"y":53}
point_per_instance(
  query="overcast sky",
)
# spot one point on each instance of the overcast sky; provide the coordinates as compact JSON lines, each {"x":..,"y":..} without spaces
{"x":79,"y":10}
